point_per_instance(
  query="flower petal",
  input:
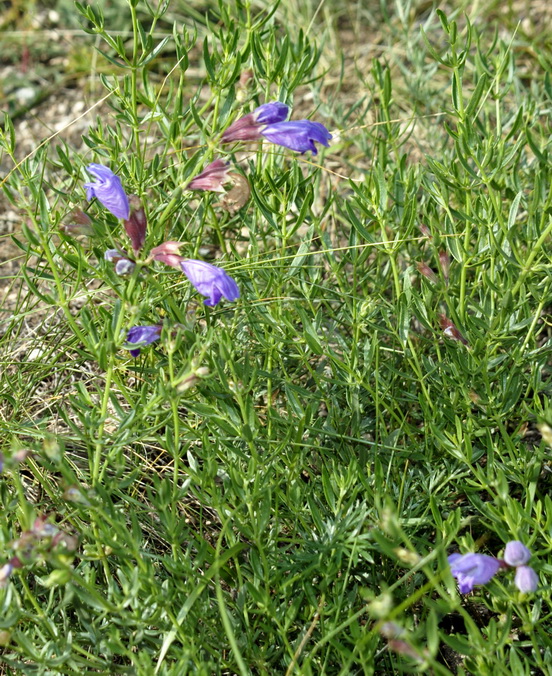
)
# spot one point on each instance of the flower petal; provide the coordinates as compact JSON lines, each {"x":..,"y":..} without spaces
{"x":270,"y":113}
{"x":248,"y":127}
{"x":210,"y":281}
{"x":526,"y":580}
{"x":516,"y":553}
{"x":142,"y":335}
{"x":299,"y":135}
{"x":473,"y":569}
{"x":107,"y":189}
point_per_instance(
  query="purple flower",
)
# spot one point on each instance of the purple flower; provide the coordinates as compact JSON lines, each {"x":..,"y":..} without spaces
{"x":526,"y":580}
{"x":124,"y":267}
{"x":142,"y":335}
{"x":7,"y":569}
{"x":248,"y":127}
{"x":272,"y":112}
{"x":107,"y":190}
{"x":299,"y":135}
{"x":113,"y":255}
{"x":210,"y":281}
{"x":516,"y":553}
{"x":472,"y":569}
{"x":212,"y":177}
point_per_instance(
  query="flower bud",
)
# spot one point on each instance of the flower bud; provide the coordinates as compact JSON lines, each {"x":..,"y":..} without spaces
{"x":444,"y":262}
{"x":124,"y":267}
{"x":78,"y":224}
{"x":427,"y":272}
{"x":516,"y":553}
{"x":136,"y":224}
{"x":450,"y":330}
{"x":212,"y":178}
{"x":526,"y":580}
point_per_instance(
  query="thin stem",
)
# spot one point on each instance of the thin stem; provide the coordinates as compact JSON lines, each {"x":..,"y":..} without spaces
{"x":529,"y":262}
{"x":134,"y":76}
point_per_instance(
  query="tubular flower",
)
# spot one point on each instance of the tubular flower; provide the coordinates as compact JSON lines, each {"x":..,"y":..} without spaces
{"x":248,"y":127}
{"x":516,"y":553}
{"x":142,"y":336}
{"x":107,"y":190}
{"x":210,"y":281}
{"x":299,"y":135}
{"x":471,"y":569}
{"x":213,"y":177}
{"x":526,"y":580}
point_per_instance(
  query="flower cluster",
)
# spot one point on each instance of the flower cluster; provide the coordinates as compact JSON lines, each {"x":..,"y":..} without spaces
{"x":476,"y":569}
{"x":209,"y":280}
{"x":266,"y":121}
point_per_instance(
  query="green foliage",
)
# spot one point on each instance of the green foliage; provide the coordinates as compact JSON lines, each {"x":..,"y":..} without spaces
{"x":275,"y":480}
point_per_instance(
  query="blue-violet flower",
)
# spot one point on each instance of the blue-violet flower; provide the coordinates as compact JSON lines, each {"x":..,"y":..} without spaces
{"x":248,"y":127}
{"x":516,"y":553}
{"x":142,"y":336}
{"x":124,"y":267}
{"x":210,"y":281}
{"x":471,"y":569}
{"x":107,"y":190}
{"x":526,"y":580}
{"x":299,"y":135}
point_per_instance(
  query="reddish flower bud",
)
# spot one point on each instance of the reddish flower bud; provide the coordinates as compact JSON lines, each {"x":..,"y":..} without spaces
{"x":136,"y":224}
{"x":78,"y":224}
{"x":404,"y":648}
{"x":426,"y":232}
{"x":212,"y":177}
{"x":167,"y":253}
{"x":450,"y":330}
{"x":427,"y":272}
{"x":444,"y":262}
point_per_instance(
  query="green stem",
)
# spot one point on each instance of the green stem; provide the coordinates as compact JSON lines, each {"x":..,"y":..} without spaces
{"x":99,"y":444}
{"x":176,"y":439}
{"x":134,"y":77}
{"x":62,"y":298}
{"x":167,"y":211}
{"x":464,"y":268}
{"x":529,"y":262}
